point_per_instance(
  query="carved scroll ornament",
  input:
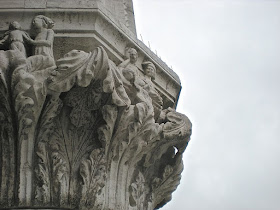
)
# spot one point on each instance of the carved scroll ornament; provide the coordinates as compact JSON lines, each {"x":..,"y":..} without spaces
{"x":82,"y":133}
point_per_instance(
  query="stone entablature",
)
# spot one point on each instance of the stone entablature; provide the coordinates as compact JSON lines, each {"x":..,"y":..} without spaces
{"x":85,"y":29}
{"x":120,"y":10}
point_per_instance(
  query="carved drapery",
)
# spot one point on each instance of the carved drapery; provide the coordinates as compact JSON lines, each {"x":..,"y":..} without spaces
{"x":79,"y":133}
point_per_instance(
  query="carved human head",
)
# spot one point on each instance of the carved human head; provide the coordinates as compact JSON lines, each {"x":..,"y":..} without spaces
{"x":41,"y":21}
{"x":149,"y":69}
{"x":14,"y":26}
{"x":133,"y":55}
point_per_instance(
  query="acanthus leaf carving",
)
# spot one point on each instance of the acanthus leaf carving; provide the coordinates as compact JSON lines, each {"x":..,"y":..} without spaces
{"x":7,"y":133}
{"x":79,"y":68}
{"x":43,"y":188}
{"x":50,"y":112}
{"x":83,"y":102}
{"x":93,"y":172}
{"x":105,"y":132}
{"x":138,"y":192}
{"x":61,"y":176}
{"x":164,"y":186}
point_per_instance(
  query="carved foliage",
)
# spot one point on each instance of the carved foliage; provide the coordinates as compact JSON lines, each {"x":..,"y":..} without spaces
{"x":162,"y":187}
{"x":93,"y":149}
{"x":127,"y":147}
{"x":43,"y":188}
{"x":83,"y":101}
{"x":138,"y":192}
{"x":7,"y":137}
{"x":94,"y":175}
{"x":63,"y":150}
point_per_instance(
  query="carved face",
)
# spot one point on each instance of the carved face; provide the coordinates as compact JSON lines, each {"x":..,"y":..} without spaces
{"x":14,"y":25}
{"x":38,"y":23}
{"x":133,"y":56}
{"x":150,"y":71}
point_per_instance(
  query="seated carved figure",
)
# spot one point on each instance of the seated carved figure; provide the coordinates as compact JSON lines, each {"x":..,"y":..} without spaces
{"x":128,"y":67}
{"x":129,"y":73}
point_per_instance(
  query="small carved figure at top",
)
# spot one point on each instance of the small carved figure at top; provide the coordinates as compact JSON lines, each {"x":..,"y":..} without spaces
{"x":15,"y":37}
{"x":43,"y":42}
{"x":128,"y":67}
{"x":149,"y":75}
{"x":147,"y":84}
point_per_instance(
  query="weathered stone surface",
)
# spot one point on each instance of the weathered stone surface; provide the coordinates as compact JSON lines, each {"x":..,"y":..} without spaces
{"x":87,"y":118}
{"x":85,"y":29}
{"x":121,"y":11}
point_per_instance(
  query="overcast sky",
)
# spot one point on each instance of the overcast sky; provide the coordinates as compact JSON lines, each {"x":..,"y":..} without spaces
{"x":227,"y":54}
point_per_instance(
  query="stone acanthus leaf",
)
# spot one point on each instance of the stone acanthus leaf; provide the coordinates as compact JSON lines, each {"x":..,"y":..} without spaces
{"x":164,"y":186}
{"x":93,"y":174}
{"x":79,"y":68}
{"x":7,"y":133}
{"x":138,"y":192}
{"x":43,"y":188}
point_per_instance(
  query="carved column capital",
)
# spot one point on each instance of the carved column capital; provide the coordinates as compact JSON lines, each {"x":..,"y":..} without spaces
{"x":81,"y":132}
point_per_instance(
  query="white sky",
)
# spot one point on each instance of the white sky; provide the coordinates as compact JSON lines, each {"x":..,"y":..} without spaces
{"x":227,"y":54}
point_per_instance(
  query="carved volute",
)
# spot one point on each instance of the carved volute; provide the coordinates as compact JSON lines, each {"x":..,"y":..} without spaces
{"x":84,"y":131}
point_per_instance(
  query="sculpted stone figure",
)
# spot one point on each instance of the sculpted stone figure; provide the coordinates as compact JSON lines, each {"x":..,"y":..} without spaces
{"x":128,"y":67}
{"x":16,"y":38}
{"x":43,"y":43}
{"x":129,"y":64}
{"x":131,"y":79}
{"x":147,"y":84}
